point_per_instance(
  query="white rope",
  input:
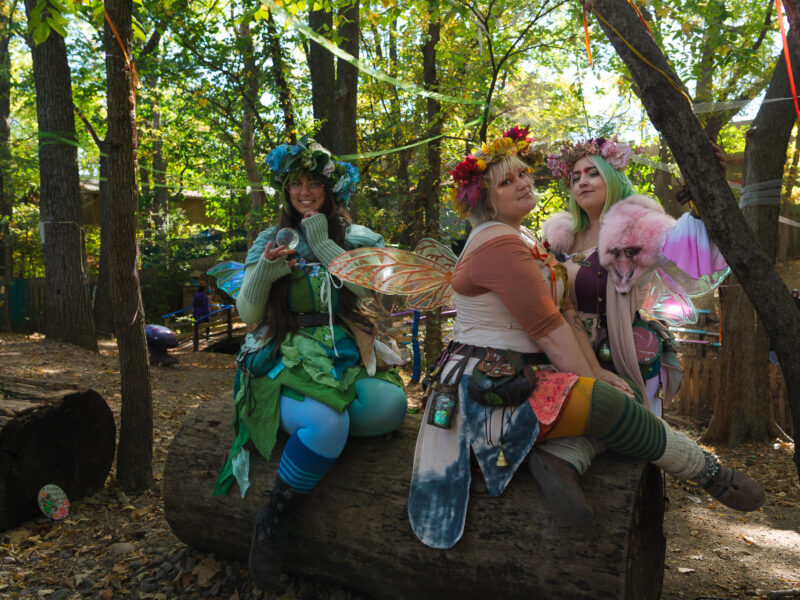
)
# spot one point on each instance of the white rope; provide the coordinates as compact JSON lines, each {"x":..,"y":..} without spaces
{"x":326,"y":295}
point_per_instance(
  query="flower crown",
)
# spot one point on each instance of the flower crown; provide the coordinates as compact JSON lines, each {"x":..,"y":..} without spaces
{"x":468,"y":174}
{"x":616,"y":153}
{"x":308,"y":155}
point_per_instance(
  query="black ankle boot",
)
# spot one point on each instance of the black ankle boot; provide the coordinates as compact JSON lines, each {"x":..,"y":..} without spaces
{"x":561,"y":486}
{"x":269,"y":536}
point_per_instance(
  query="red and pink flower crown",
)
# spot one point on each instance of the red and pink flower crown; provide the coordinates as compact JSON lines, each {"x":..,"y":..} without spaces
{"x":468,"y":174}
{"x":617,"y":154}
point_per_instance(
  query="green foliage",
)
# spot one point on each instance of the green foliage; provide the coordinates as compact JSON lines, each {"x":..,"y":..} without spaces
{"x":527,"y":57}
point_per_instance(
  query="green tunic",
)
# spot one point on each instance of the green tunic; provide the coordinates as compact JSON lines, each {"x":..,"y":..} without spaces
{"x":320,"y":362}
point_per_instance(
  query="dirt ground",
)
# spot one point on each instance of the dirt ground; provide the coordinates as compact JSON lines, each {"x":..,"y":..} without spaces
{"x":117,"y":546}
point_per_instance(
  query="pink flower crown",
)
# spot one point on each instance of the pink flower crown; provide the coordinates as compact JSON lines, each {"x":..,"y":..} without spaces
{"x":468,"y":174}
{"x":616,"y":153}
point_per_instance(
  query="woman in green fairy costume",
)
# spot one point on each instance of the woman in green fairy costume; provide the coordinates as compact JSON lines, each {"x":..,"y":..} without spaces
{"x":310,"y":367}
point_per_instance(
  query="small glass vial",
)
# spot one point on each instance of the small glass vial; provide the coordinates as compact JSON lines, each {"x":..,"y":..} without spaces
{"x":444,"y":406}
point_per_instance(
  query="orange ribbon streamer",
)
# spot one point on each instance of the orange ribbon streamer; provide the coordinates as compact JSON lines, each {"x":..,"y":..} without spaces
{"x":586,"y":36}
{"x":788,"y":59}
{"x":587,"y":7}
{"x":133,"y":82}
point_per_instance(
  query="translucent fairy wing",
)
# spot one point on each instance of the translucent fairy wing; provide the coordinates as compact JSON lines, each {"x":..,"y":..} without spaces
{"x":392,"y":271}
{"x":668,"y":305}
{"x":230,"y":275}
{"x":675,"y":278}
{"x":440,"y":297}
{"x":437,"y":252}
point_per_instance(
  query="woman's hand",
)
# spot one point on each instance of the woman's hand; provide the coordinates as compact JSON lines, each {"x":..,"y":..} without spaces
{"x":272,"y":254}
{"x":614,"y":379}
{"x":309,"y":214}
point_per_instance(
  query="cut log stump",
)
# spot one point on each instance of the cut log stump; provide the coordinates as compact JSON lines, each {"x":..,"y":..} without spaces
{"x":50,"y":434}
{"x":354,"y":529}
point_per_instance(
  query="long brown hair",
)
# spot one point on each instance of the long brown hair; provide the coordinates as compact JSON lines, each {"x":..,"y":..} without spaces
{"x":280,"y":319}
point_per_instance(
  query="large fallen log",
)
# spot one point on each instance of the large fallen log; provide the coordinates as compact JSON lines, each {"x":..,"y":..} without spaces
{"x":354,"y":529}
{"x":50,"y":434}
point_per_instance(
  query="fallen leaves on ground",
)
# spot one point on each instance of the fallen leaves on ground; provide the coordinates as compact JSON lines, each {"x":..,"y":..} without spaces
{"x":115,"y":546}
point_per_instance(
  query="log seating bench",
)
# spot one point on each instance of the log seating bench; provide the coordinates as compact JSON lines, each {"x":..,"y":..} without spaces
{"x":353,"y":530}
{"x":50,"y":433}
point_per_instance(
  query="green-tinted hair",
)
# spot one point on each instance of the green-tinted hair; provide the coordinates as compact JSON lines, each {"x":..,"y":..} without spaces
{"x":618,"y":186}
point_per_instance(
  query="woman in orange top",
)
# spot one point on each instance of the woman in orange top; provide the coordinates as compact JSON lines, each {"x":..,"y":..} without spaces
{"x":521,"y":370}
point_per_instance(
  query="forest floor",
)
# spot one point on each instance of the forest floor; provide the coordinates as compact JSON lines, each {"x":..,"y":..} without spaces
{"x":114,"y":546}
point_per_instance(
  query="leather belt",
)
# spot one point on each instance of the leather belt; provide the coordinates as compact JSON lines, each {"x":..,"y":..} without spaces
{"x":312,"y":319}
{"x":529,"y":358}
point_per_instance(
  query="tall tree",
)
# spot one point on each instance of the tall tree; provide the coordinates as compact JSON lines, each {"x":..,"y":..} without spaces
{"x":135,"y":453}
{"x":251,"y":88}
{"x":68,"y":315}
{"x":429,"y":186}
{"x":334,"y":83}
{"x":6,"y":21}
{"x":670,"y":112}
{"x":745,"y":382}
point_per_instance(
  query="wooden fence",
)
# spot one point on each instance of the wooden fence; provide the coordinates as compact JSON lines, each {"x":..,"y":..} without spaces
{"x":700,"y":386}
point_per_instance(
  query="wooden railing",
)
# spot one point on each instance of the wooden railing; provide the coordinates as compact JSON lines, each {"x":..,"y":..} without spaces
{"x":218,"y":321}
{"x":700,"y":387}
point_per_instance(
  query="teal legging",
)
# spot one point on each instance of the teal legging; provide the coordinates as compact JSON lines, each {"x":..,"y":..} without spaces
{"x":379,"y":407}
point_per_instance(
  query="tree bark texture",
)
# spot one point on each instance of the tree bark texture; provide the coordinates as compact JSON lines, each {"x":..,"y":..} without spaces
{"x":279,"y":78}
{"x":345,"y":130}
{"x":134,"y":457}
{"x":68,"y":315}
{"x":6,"y":195}
{"x":252,"y":76}
{"x":429,"y":185}
{"x":671,"y":113}
{"x":103,"y":305}
{"x":354,"y":528}
{"x":49,"y":434}
{"x":322,"y":69}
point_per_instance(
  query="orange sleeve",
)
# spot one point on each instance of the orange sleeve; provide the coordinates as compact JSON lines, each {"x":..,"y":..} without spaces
{"x":506,"y":266}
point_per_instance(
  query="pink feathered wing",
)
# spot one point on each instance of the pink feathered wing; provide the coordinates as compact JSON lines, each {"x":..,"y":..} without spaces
{"x":631,"y":238}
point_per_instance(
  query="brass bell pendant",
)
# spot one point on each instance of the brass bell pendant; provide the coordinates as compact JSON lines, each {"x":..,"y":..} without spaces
{"x":501,"y":459}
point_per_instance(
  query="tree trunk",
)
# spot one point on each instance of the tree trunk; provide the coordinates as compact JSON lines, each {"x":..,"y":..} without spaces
{"x":323,"y":77}
{"x":251,"y":76}
{"x":135,"y":455}
{"x":745,"y":372}
{"x":50,"y":434}
{"x":6,"y":195}
{"x":354,"y":529}
{"x":68,"y":315}
{"x":430,"y":182}
{"x":671,"y":113}
{"x":161,"y":202}
{"x":345,"y":131}
{"x":103,"y":305}
{"x":279,"y":77}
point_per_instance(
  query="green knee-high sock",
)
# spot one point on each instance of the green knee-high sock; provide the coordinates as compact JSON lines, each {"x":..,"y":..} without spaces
{"x":623,"y":425}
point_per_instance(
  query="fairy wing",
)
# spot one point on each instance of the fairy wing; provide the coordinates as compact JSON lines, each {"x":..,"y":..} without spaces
{"x":230,"y":275}
{"x":441,"y":296}
{"x":395,"y":271}
{"x":437,"y":252}
{"x":667,"y":304}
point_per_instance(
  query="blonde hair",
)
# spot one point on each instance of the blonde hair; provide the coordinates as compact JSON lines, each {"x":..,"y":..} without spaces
{"x":495,"y":172}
